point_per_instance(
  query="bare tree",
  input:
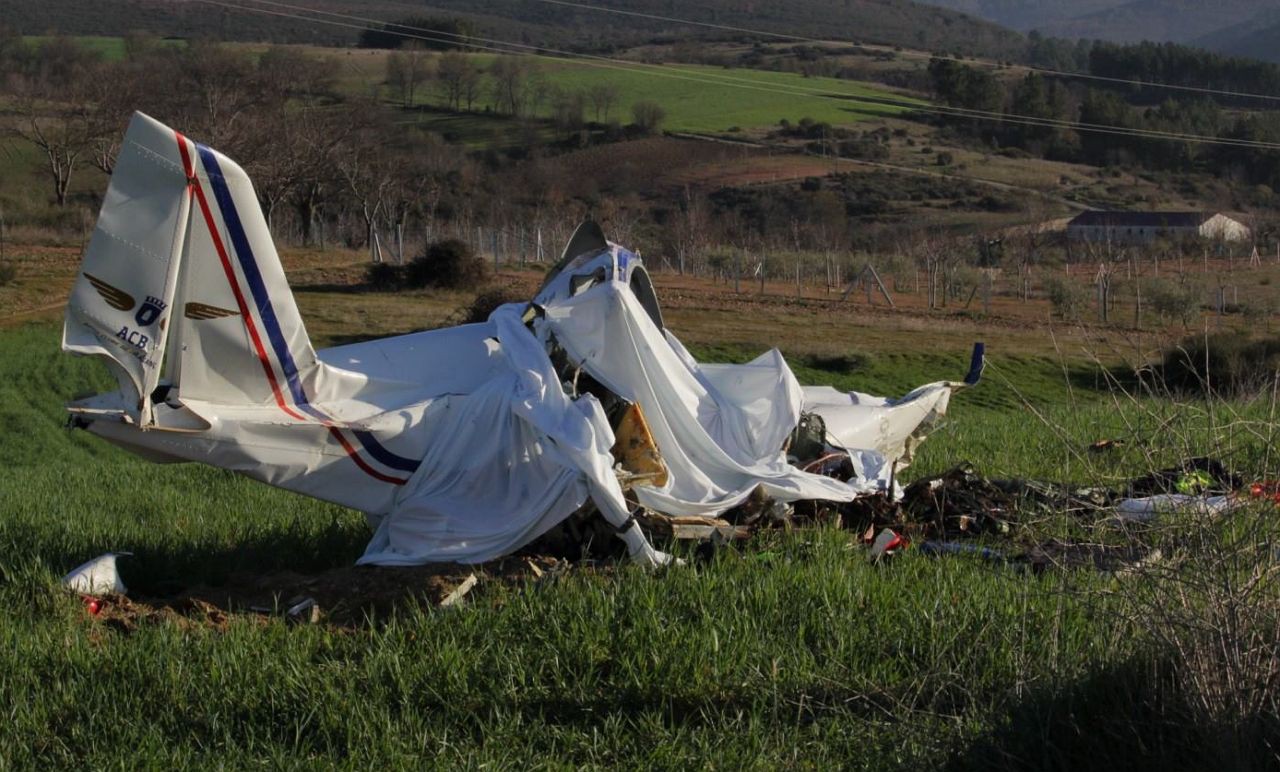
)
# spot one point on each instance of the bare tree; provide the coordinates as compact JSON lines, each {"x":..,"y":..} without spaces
{"x":449,"y":75}
{"x":59,"y":130}
{"x":322,"y":137}
{"x":567,"y":109}
{"x":689,"y":232}
{"x":470,"y":85}
{"x":602,"y":96}
{"x":407,"y":71}
{"x":940,"y":257}
{"x":284,"y":72}
{"x":369,"y":175}
{"x":219,"y":86}
{"x":509,"y":75}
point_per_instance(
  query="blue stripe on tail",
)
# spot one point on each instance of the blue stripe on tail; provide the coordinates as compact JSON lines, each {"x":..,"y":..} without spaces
{"x":262,"y":301}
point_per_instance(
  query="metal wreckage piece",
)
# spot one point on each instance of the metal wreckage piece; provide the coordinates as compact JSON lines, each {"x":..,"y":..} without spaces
{"x":460,"y":444}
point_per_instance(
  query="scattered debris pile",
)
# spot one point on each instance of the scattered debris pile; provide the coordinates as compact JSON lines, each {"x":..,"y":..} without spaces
{"x":957,"y":513}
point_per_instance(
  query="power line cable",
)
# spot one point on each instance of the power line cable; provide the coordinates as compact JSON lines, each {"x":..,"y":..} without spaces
{"x":910,"y":54}
{"x":501,"y":46}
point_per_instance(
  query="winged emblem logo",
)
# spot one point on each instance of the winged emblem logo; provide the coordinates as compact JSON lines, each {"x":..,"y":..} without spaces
{"x":114,"y":296}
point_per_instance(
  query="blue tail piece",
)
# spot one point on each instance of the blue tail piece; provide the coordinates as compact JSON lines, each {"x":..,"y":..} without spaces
{"x":976,"y":362}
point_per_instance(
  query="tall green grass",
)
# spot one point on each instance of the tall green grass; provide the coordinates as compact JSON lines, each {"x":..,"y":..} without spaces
{"x":793,"y":653}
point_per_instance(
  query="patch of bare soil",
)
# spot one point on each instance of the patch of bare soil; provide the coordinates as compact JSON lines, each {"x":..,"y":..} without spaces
{"x":345,"y":598}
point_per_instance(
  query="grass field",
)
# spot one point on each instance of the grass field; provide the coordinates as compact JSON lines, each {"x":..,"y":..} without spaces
{"x":108,"y":47}
{"x":809,"y":658}
{"x":696,"y":98}
{"x":713,"y":100}
{"x":793,"y":652}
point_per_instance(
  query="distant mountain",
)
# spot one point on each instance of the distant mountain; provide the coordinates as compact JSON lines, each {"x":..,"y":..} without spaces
{"x":1180,"y":21}
{"x":893,"y":22}
{"x":1029,"y":15}
{"x":1258,"y":38}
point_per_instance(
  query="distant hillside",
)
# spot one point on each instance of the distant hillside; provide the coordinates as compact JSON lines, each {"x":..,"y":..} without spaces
{"x":1175,"y":20}
{"x":176,"y":18}
{"x":1179,"y":21}
{"x":1259,"y":38}
{"x":893,"y":22}
{"x":1027,"y":15}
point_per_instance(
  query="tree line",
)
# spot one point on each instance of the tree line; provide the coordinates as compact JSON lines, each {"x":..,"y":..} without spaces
{"x":327,"y":166}
{"x":1038,"y":96}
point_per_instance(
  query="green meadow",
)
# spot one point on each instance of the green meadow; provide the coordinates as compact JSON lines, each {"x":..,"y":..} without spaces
{"x":716,"y":99}
{"x":695,"y":98}
{"x":789,"y":652}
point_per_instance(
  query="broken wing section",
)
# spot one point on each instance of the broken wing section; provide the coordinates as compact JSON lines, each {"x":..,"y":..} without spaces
{"x":881,"y":434}
{"x":121,"y":304}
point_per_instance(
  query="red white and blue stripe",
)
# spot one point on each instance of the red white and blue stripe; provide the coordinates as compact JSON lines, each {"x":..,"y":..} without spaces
{"x":292,"y":399}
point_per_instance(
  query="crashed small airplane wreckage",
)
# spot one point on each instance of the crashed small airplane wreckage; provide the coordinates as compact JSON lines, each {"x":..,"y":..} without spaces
{"x":460,"y":444}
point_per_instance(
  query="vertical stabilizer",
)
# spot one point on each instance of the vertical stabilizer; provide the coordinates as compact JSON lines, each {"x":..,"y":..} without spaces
{"x":241,"y":338}
{"x":121,"y":304}
{"x":182,"y":256}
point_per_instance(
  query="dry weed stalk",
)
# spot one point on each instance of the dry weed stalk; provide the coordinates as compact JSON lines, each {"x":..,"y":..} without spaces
{"x":1207,"y":600}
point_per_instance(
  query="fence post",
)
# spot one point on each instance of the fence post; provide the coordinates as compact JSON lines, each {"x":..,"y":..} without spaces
{"x":1137,"y":305}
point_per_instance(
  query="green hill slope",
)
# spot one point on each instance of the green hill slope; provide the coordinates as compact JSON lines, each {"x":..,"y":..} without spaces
{"x":894,"y":22}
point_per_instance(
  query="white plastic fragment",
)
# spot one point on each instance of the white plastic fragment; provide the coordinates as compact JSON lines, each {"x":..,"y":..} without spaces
{"x":1148,"y":508}
{"x":459,"y":592}
{"x":97,"y":577}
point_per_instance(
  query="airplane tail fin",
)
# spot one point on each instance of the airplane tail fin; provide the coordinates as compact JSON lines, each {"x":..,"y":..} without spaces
{"x":181,"y":282}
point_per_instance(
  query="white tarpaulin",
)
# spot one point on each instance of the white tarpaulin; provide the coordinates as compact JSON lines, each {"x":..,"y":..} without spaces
{"x":460,"y":444}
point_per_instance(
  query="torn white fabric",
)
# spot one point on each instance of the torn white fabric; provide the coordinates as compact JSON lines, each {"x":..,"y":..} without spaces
{"x":718,"y":445}
{"x":879,"y":434}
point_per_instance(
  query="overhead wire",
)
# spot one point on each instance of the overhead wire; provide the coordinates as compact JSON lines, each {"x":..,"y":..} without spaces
{"x":507,"y":47}
{"x":906,"y":53}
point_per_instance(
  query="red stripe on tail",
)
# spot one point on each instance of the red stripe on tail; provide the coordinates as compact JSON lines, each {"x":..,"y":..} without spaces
{"x":194,"y":186}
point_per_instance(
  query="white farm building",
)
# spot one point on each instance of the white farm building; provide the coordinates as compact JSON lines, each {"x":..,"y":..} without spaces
{"x":1146,"y":227}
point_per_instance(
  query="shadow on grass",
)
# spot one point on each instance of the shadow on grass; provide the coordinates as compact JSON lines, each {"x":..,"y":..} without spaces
{"x":266,"y":573}
{"x":171,"y":563}
{"x":1130,"y":716}
{"x":331,"y":287}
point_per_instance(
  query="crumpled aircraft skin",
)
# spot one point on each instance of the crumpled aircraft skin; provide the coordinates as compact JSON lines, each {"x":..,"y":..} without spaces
{"x":460,"y":444}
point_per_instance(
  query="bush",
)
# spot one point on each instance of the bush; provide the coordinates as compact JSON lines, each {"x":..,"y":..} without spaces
{"x":7,"y":273}
{"x":1173,"y":300}
{"x":384,"y":276}
{"x":448,"y":264}
{"x":1069,"y":299}
{"x":648,"y":115}
{"x":487,"y":301}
